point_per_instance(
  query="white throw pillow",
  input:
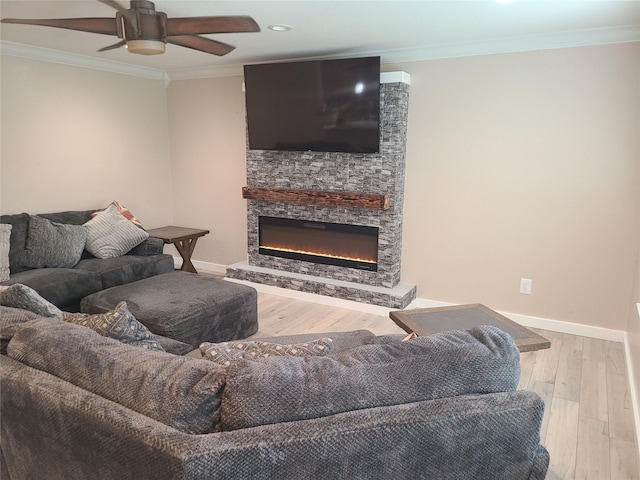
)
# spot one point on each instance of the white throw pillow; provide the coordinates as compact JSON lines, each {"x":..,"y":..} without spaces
{"x":112,"y":235}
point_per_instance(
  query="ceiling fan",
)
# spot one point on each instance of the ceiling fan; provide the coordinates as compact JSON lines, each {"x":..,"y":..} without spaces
{"x":145,"y":31}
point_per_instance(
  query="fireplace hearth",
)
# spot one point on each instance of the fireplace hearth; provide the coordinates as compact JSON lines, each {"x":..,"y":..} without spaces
{"x":351,"y":246}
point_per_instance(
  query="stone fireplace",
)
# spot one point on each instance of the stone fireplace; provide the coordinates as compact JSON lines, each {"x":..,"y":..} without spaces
{"x":326,"y":201}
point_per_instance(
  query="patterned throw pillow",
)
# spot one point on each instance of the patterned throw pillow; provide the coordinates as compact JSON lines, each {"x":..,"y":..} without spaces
{"x":21,"y":296}
{"x":5,"y":237}
{"x":119,"y":324}
{"x":111,"y":235}
{"x":124,"y":211}
{"x":223,"y":353}
{"x":53,"y":245}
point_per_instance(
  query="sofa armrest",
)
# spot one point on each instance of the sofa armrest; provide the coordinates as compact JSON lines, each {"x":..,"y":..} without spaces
{"x":59,"y":431}
{"x":151,"y":246}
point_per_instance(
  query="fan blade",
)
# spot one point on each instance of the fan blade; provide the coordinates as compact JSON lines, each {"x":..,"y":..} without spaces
{"x":113,"y":4}
{"x":106,"y":26}
{"x":121,"y":43}
{"x":202,"y":25}
{"x":203,"y":44}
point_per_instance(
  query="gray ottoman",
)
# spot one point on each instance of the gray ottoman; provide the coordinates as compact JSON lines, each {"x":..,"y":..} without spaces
{"x":185,"y":306}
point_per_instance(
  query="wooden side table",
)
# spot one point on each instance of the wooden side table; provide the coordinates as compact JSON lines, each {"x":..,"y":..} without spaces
{"x":427,"y":321}
{"x":184,"y":240}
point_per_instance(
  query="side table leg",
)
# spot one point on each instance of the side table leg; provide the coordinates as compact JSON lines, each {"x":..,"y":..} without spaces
{"x":185,"y":249}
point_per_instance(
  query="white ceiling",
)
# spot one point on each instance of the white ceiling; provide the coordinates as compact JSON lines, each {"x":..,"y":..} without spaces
{"x":397,"y":30}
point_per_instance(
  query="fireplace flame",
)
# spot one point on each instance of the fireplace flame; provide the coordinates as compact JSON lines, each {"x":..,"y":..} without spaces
{"x":320,"y":254}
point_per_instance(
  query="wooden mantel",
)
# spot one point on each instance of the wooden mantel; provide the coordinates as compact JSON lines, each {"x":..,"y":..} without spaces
{"x":318,"y":197}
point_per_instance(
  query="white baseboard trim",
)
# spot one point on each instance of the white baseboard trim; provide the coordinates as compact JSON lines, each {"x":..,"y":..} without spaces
{"x":216,"y":268}
{"x":526,"y":320}
{"x":542,"y":323}
{"x":633,"y":388}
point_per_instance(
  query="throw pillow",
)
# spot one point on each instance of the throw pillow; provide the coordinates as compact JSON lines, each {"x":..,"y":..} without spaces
{"x":5,"y":245}
{"x":223,"y":353}
{"x":111,"y":235}
{"x":119,"y":324}
{"x":51,"y":244}
{"x":22,"y":296}
{"x":124,"y":211}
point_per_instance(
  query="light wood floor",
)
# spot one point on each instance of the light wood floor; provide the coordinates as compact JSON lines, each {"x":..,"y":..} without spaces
{"x":588,"y":423}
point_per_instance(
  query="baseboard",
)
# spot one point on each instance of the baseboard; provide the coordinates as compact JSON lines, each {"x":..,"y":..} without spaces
{"x":208,"y":267}
{"x":544,"y":323}
{"x":526,"y":320}
{"x":633,"y":387}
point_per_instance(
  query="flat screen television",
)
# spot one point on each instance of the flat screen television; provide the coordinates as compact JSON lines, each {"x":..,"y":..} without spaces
{"x":320,"y":105}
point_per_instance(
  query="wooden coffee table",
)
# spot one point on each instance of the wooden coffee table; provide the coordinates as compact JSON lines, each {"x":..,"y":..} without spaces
{"x":427,"y":321}
{"x":184,"y":239}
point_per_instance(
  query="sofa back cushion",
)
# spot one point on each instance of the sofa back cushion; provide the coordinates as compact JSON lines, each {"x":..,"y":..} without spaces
{"x":20,"y":225}
{"x":482,"y":360}
{"x":52,"y":244}
{"x":181,"y":392}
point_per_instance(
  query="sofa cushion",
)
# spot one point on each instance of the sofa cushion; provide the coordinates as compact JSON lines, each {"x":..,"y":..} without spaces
{"x":112,"y":235}
{"x":225,"y":352}
{"x":10,"y":320}
{"x":171,"y":345}
{"x":22,"y":296}
{"x":127,"y":268}
{"x":64,"y":287}
{"x":119,"y":324}
{"x":283,"y":389}
{"x":5,"y":246}
{"x":181,"y":392}
{"x":69,"y":217}
{"x":53,"y":245}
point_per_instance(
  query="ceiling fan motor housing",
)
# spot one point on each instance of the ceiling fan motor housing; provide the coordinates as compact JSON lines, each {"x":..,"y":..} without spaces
{"x":145,"y":29}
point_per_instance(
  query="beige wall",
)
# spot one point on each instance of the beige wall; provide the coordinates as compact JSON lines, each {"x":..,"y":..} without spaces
{"x":75,"y":138}
{"x":633,"y":326}
{"x":526,"y":165}
{"x":518,"y":165}
{"x":207,"y":123}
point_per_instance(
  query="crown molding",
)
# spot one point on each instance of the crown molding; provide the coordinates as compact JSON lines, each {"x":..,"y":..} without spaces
{"x":570,"y":39}
{"x":66,"y":58}
{"x":528,"y":43}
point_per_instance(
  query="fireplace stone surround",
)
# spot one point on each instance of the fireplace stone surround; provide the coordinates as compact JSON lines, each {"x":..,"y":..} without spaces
{"x":346,"y":174}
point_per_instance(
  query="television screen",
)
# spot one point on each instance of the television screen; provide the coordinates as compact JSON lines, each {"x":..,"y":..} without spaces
{"x":321,"y":105}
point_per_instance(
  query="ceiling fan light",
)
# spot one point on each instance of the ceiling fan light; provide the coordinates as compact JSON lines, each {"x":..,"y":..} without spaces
{"x":146,"y":47}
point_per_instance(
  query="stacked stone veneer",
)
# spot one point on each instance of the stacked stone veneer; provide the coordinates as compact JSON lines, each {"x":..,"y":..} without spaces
{"x":381,"y":173}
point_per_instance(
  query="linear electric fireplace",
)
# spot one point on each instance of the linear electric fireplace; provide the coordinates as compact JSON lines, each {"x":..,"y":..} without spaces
{"x":352,"y":246}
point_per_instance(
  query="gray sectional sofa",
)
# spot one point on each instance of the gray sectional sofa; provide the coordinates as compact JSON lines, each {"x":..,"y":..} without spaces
{"x":76,"y":405}
{"x":66,"y":287}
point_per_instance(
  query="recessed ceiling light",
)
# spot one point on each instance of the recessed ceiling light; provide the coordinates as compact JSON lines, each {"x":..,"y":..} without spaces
{"x":280,"y":28}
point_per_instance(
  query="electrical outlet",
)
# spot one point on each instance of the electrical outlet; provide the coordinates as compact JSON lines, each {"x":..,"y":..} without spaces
{"x":525,"y":286}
